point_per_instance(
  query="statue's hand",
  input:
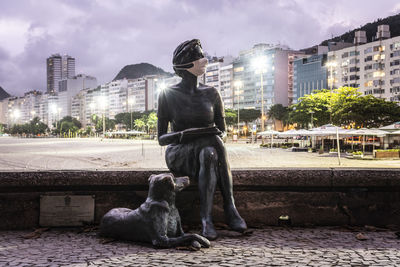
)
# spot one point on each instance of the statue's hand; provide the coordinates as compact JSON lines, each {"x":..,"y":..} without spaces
{"x":223,"y":136}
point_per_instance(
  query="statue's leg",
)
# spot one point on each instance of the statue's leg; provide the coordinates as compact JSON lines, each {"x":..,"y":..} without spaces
{"x":208,"y":160}
{"x":232,"y":216}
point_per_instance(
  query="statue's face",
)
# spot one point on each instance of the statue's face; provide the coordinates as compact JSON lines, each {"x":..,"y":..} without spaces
{"x":200,"y":64}
{"x":199,"y":67}
{"x":197,"y":53}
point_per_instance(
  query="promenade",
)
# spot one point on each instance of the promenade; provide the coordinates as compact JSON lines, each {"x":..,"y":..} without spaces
{"x":24,"y":154}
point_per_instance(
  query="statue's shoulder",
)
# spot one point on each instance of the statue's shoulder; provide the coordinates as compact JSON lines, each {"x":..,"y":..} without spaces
{"x":207,"y":89}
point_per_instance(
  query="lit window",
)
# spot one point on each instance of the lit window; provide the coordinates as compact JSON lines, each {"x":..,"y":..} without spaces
{"x":369,"y":83}
{"x":379,"y":74}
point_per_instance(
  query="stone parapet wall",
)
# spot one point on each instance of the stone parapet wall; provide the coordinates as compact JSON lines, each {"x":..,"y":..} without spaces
{"x":308,"y":196}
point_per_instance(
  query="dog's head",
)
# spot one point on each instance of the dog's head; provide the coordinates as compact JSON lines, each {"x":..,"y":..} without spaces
{"x":165,"y":184}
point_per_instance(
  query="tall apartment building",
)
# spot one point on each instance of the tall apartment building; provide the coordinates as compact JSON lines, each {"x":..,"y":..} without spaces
{"x":219,"y":74}
{"x":310,"y":74}
{"x":70,"y":87}
{"x":143,"y":92}
{"x":116,"y":97}
{"x":276,"y":76}
{"x":374,"y":66}
{"x":19,"y":110}
{"x":3,"y":105}
{"x":59,"y":68}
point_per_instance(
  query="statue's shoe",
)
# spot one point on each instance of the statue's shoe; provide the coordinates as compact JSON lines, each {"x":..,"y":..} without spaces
{"x":238,"y":225}
{"x":209,"y":231}
{"x":235,"y":222}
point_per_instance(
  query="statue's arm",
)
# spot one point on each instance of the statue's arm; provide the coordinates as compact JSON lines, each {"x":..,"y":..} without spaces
{"x":165,"y":138}
{"x":219,"y":115}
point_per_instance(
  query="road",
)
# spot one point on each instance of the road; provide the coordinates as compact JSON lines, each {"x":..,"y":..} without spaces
{"x":117,"y":154}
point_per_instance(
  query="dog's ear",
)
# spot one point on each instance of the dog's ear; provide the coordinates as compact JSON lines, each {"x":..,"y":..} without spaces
{"x":169,"y":179}
{"x":151,"y":176}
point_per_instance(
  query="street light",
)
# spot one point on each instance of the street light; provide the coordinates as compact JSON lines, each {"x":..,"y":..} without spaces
{"x":131,"y":102}
{"x":333,"y":64}
{"x":16,"y":114}
{"x":102,"y":101}
{"x":162,"y":86}
{"x":312,"y":120}
{"x":238,"y":84}
{"x":260,"y":65}
{"x":54,"y":111}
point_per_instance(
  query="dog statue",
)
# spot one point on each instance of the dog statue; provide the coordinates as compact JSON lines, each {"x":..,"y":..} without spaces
{"x":156,"y":221}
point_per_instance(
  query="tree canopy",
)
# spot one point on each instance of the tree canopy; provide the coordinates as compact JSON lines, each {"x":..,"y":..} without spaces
{"x":343,"y":106}
{"x":34,"y":127}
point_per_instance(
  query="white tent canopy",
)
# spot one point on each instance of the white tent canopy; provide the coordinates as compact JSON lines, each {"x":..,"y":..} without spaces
{"x":132,"y":132}
{"x":365,"y":131}
{"x":328,"y":130}
{"x":288,"y":133}
{"x":394,"y":126}
{"x":395,"y":132}
{"x":270,"y":132}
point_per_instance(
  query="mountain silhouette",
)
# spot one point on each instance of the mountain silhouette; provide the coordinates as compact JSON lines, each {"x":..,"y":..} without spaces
{"x":135,"y":71}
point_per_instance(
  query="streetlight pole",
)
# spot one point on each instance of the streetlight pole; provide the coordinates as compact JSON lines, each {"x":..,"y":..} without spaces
{"x":131,"y":105}
{"x":104,"y":123}
{"x":238,"y":85}
{"x":260,"y":64}
{"x":103,"y":103}
{"x":331,"y":65}
{"x":312,"y":119}
{"x":262,"y":101}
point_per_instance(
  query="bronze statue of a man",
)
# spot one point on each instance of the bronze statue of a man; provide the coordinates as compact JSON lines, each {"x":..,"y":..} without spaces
{"x":195,"y":147}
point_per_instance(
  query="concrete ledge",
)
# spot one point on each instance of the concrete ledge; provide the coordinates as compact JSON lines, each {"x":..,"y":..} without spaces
{"x":308,"y":196}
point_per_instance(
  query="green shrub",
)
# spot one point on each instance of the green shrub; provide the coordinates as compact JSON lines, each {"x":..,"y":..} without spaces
{"x":357,"y":153}
{"x":387,"y":150}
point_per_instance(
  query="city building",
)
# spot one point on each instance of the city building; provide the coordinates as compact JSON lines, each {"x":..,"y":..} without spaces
{"x":59,"y":68}
{"x":273,"y":65}
{"x":310,"y":71}
{"x":3,"y":105}
{"x":309,"y":74}
{"x":219,"y":74}
{"x":69,"y":87}
{"x":373,"y":66}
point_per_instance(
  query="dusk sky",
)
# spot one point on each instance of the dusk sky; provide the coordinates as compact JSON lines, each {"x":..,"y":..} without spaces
{"x":104,"y":36}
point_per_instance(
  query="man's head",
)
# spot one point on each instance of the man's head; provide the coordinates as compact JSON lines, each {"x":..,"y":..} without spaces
{"x":188,"y":56}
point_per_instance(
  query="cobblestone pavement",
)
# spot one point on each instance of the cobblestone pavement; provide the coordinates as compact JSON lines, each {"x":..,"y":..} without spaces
{"x":272,"y":246}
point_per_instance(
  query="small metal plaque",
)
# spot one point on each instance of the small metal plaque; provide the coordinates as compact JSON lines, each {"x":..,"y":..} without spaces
{"x":66,"y":210}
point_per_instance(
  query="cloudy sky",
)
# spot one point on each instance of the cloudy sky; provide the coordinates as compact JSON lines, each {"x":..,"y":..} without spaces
{"x":105,"y":35}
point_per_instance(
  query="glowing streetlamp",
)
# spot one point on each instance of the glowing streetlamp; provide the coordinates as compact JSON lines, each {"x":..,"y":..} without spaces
{"x":33,"y":114}
{"x":162,"y":86}
{"x":16,"y":114}
{"x":260,"y":65}
{"x":238,"y":85}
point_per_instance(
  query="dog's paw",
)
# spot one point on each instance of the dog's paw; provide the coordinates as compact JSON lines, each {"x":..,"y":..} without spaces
{"x":204,"y":242}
